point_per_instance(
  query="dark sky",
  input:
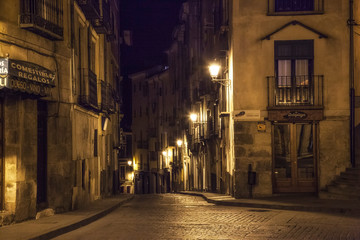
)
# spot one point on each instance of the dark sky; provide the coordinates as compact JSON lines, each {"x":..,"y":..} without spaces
{"x":152,"y":23}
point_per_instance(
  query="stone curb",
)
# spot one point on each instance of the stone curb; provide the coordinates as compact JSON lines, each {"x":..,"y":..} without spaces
{"x":275,"y":206}
{"x":84,"y":222}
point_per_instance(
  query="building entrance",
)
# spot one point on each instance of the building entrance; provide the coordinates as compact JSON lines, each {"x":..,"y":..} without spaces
{"x":294,"y":157}
{"x":42,"y":156}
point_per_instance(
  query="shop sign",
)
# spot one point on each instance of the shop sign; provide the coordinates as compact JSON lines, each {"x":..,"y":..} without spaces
{"x":31,"y":72}
{"x":25,"y":77}
{"x":4,"y":70}
{"x":296,"y":115}
{"x":247,"y":115}
{"x":28,"y":87}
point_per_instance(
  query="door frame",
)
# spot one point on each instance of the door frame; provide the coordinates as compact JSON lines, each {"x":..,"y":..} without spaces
{"x":42,"y":156}
{"x":308,"y":186}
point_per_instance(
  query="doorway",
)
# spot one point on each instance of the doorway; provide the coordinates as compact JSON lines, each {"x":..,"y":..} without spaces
{"x":294,"y":157}
{"x":41,"y":197}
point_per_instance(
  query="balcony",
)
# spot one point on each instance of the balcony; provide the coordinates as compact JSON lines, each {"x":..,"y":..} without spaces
{"x":44,"y":18}
{"x":91,"y":8}
{"x":107,"y":100}
{"x":104,"y":24}
{"x":88,"y":89}
{"x":304,"y":91}
{"x":295,"y":7}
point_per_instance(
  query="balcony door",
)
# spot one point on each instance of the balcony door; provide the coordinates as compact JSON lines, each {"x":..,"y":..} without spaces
{"x":294,"y":157}
{"x":294,"y":67}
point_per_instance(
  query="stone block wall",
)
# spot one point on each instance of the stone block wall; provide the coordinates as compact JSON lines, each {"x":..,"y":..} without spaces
{"x":20,"y":131}
{"x":252,"y":147}
{"x":61,"y":169}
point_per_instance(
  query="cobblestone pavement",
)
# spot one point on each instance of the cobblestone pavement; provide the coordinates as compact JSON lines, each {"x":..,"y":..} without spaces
{"x":173,"y":216}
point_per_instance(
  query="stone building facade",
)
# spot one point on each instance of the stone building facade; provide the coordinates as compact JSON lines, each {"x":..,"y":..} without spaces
{"x":59,"y":105}
{"x":279,"y":117}
{"x":153,"y":127}
{"x":291,"y":64}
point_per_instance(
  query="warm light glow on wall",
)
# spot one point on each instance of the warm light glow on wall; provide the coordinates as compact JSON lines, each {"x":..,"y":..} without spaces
{"x":179,"y":142}
{"x":130,"y":176}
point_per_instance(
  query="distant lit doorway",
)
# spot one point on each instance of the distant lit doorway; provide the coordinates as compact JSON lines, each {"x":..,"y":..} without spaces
{"x":41,"y":197}
{"x":294,"y":157}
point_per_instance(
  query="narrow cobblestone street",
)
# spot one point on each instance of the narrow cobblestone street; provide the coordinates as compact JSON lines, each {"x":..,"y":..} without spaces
{"x":173,"y":216}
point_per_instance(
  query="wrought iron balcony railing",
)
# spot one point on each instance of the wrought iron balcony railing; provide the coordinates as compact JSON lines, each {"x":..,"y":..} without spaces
{"x":43,"y":17}
{"x":103,"y":90}
{"x":88,"y":89}
{"x":295,"y":91}
{"x":91,"y":8}
{"x":111,"y":99}
{"x":103,"y":24}
{"x":295,"y":7}
{"x":107,"y":97}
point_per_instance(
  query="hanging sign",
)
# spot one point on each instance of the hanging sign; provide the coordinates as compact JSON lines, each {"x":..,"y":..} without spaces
{"x":31,"y":72}
{"x":26,"y":77}
{"x":4,"y":70}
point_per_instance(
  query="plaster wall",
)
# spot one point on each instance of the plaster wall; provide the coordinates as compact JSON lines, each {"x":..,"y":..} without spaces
{"x":253,"y":61}
{"x":87,"y":165}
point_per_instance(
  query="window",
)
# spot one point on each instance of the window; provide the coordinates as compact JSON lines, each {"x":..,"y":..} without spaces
{"x":122,"y":172}
{"x":294,"y":68}
{"x":294,"y":5}
{"x":95,"y":143}
{"x":92,"y":46}
{"x":43,"y":17}
{"x":83,"y":174}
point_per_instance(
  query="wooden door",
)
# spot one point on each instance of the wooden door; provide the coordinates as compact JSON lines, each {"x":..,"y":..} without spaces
{"x":294,"y":157}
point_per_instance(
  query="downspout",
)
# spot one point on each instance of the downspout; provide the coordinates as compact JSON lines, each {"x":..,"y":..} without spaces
{"x":351,"y":23}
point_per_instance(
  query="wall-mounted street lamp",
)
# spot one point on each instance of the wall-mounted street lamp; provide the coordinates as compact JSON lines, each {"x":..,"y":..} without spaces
{"x":193,"y":117}
{"x":179,"y":142}
{"x":214,"y":70}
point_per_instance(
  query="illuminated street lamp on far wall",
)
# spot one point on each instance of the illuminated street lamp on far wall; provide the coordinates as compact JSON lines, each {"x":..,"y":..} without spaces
{"x":214,"y":70}
{"x":194,"y":117}
{"x":179,"y":142}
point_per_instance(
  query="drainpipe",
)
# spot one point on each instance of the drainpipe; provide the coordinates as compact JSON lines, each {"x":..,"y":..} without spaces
{"x":351,"y":23}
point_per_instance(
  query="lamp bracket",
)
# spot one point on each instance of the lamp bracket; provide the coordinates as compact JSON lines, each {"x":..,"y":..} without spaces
{"x":222,"y":81}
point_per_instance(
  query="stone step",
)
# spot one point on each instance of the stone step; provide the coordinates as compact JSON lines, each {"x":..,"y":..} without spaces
{"x":349,"y":191}
{"x":327,"y":195}
{"x":345,"y":186}
{"x":350,"y":175}
{"x":348,"y":182}
{"x":353,"y":170}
